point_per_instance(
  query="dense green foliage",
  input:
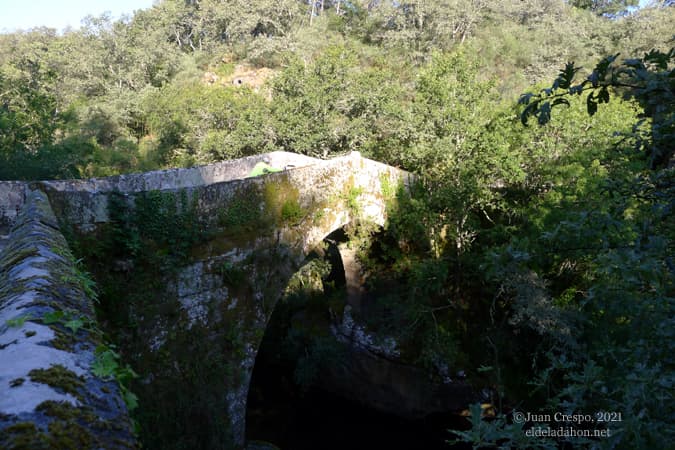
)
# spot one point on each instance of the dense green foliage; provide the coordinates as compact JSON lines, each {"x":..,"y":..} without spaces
{"x":600,"y":261}
{"x":131,"y":95}
{"x":605,"y":6}
{"x":536,"y":259}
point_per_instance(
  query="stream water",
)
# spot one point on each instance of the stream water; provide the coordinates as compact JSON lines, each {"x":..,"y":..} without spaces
{"x":282,"y":414}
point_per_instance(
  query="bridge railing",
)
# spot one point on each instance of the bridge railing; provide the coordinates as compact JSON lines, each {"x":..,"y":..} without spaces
{"x":54,"y":392}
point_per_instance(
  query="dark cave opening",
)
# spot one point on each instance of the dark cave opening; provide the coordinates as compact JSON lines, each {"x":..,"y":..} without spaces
{"x":295,"y":415}
{"x":295,"y":418}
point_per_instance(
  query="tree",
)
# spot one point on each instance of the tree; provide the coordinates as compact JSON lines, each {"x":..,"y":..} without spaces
{"x":29,"y":123}
{"x":597,"y":244}
{"x":420,"y":26}
{"x":650,"y":80}
{"x":332,"y":106}
{"x":605,"y":7}
{"x":195,"y":123}
{"x":206,"y":25}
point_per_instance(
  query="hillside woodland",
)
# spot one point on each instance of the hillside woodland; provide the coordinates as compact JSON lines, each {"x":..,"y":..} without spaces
{"x":536,"y":253}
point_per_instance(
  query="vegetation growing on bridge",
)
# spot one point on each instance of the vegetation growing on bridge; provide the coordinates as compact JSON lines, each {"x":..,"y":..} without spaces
{"x":59,"y":332}
{"x":152,"y":236}
{"x":559,"y":235}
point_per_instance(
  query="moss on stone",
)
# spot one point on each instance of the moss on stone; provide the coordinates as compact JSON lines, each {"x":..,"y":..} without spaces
{"x":225,"y":240}
{"x":68,"y":435}
{"x":195,"y":366}
{"x":282,"y":200}
{"x":59,"y":410}
{"x":158,"y":237}
{"x":73,"y":427}
{"x":11,"y":259}
{"x":36,"y":242}
{"x":23,"y":436}
{"x":16,"y":382}
{"x":58,"y":376}
{"x":291,"y":212}
{"x":66,"y":411}
{"x":62,"y":340}
{"x":244,"y":211}
{"x":233,"y":275}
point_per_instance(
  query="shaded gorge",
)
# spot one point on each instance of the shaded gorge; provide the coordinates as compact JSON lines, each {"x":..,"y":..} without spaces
{"x":310,"y":389}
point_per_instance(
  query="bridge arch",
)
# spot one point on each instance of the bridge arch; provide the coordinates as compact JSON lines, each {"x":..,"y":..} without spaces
{"x":212,"y":303}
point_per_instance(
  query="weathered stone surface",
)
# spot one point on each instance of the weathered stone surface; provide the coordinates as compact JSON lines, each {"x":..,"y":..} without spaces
{"x":12,"y":198}
{"x":374,"y":376}
{"x":49,"y":397}
{"x":392,"y":387}
{"x":353,"y":277}
{"x":262,"y":228}
{"x":183,"y":178}
{"x":323,"y":186}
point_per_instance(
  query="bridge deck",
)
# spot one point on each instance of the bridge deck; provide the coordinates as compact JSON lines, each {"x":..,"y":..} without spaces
{"x":235,"y":169}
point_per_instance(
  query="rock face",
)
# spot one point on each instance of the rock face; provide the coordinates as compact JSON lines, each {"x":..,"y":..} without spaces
{"x":49,"y":395}
{"x":392,"y":387}
{"x":372,"y":374}
{"x":12,"y":198}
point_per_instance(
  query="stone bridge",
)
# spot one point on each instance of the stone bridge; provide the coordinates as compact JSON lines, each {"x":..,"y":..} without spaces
{"x":189,"y":265}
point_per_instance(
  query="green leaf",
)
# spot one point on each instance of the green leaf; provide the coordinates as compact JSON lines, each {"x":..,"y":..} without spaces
{"x":525,"y":98}
{"x":591,"y":105}
{"x":74,"y":325}
{"x":578,"y":89}
{"x":105,"y":365}
{"x":594,"y":78}
{"x":659,"y":58}
{"x":633,"y":62}
{"x":130,"y":399}
{"x":544,"y":114}
{"x":18,"y":322}
{"x":561,"y":101}
{"x":566,"y":76}
{"x":52,"y":317}
{"x":529,"y":111}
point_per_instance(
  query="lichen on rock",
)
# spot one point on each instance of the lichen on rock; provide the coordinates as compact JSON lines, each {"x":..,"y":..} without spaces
{"x":49,"y":397}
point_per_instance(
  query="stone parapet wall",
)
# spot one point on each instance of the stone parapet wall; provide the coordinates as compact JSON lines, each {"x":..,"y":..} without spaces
{"x":87,"y":200}
{"x":183,"y":178}
{"x":12,"y":198}
{"x":85,"y":203}
{"x":49,"y":394}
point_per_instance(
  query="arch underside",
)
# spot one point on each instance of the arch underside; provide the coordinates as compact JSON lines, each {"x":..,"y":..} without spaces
{"x":212,"y":307}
